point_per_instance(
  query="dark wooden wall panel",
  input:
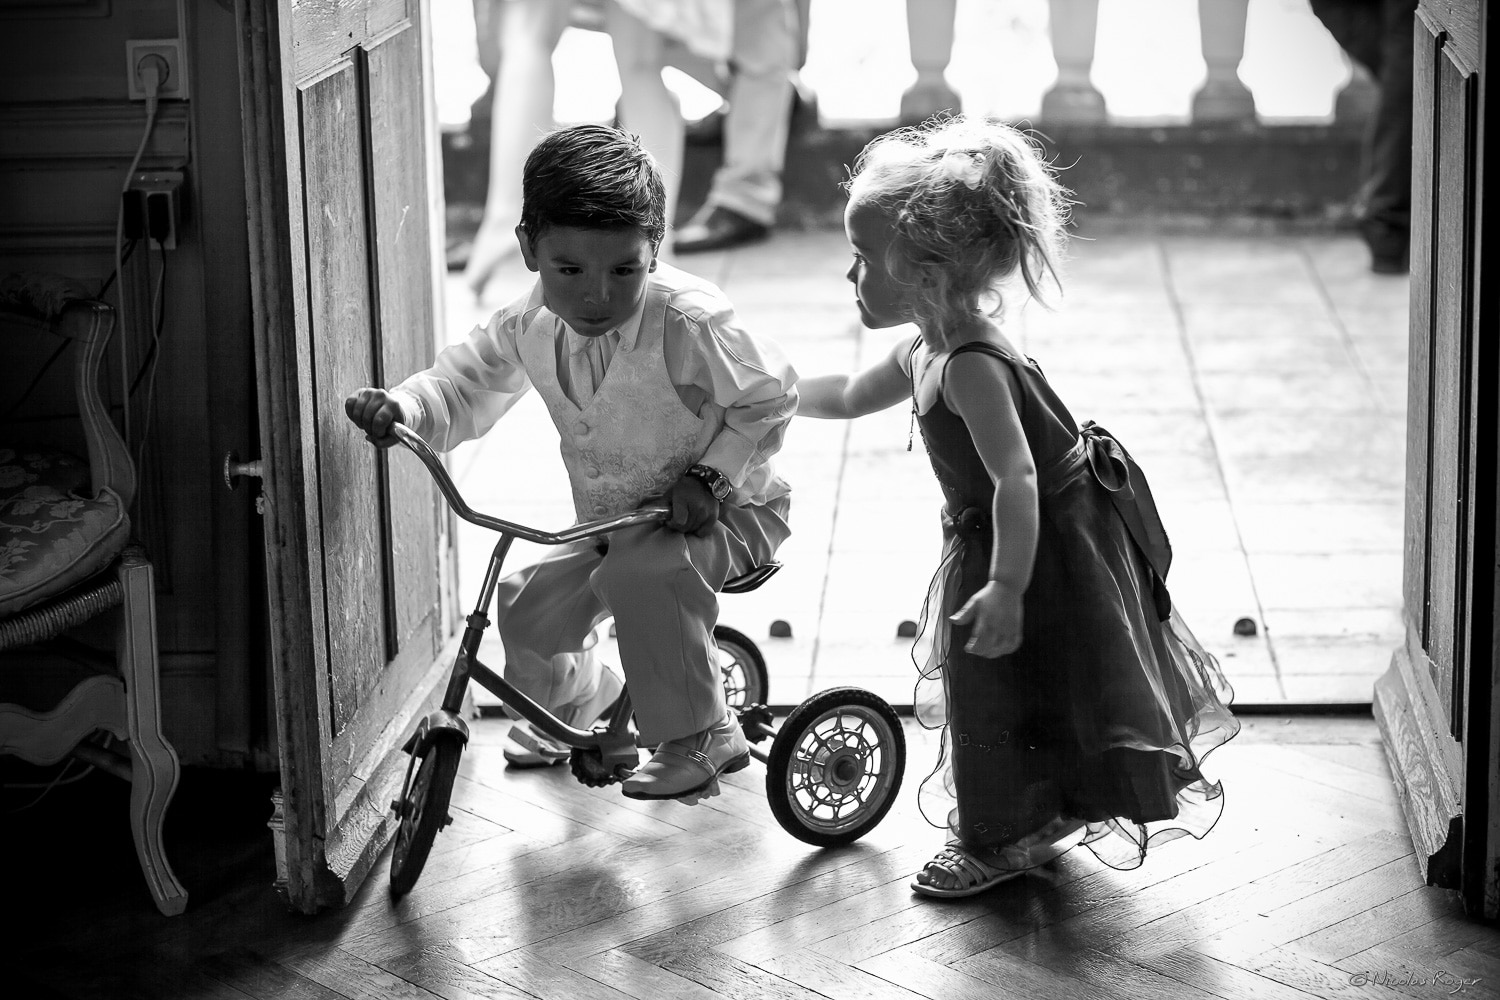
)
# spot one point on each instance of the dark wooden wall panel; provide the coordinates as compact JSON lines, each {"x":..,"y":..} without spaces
{"x":67,"y":134}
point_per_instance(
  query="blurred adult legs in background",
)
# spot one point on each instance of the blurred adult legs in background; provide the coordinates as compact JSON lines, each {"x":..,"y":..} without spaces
{"x":646,"y":106}
{"x":520,"y":36}
{"x":1378,"y":35}
{"x":709,"y":130}
{"x":746,"y":189}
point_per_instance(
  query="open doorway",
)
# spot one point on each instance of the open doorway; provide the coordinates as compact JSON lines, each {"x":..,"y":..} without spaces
{"x":1258,"y":371}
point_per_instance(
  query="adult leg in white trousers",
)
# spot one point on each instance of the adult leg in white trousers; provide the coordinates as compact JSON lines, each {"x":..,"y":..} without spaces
{"x":756,"y":125}
{"x":647,"y":107}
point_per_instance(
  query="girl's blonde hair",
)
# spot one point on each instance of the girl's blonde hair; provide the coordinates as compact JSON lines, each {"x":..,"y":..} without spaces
{"x":973,"y":202}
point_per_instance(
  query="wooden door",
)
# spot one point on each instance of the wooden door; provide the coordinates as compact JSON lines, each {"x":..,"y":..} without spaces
{"x":340,"y":144}
{"x":1436,"y":705}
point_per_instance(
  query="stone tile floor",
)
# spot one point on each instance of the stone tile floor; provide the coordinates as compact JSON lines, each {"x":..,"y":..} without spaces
{"x":1258,"y":379}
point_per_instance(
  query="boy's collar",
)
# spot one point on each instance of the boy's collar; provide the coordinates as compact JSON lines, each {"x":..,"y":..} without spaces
{"x":627,"y":332}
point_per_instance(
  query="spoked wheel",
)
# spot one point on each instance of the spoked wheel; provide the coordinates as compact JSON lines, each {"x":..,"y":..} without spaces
{"x":743,"y":667}
{"x":836,"y":766}
{"x":422,"y":810}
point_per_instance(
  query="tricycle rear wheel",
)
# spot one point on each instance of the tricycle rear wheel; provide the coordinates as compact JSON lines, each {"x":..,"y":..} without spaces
{"x":835,"y":766}
{"x":743,"y":668}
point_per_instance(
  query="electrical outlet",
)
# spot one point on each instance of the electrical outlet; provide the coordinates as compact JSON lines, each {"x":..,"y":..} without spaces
{"x":153,"y":207}
{"x":175,"y":86}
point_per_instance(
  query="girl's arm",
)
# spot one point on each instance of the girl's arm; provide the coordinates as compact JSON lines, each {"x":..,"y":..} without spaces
{"x":841,"y":397}
{"x":979,"y":389}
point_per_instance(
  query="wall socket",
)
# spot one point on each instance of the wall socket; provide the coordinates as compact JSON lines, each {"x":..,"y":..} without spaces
{"x":175,"y":86}
{"x":153,"y":207}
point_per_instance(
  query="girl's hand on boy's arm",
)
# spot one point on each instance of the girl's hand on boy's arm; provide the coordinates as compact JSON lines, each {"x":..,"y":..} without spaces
{"x":821,"y":396}
{"x":841,"y":397}
{"x":995,"y":613}
{"x":373,"y":411}
{"x":694,"y":509}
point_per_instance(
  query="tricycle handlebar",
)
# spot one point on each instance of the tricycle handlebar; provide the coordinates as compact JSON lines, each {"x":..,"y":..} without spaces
{"x":588,"y":529}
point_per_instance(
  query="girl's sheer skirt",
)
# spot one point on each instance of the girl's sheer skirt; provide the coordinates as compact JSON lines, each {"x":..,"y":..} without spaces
{"x":1188,"y":715}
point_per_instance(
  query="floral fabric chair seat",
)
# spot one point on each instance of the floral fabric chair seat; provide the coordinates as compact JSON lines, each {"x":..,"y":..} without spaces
{"x":53,"y":534}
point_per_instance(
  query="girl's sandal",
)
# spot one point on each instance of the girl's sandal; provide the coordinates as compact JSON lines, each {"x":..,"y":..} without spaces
{"x":971,"y":875}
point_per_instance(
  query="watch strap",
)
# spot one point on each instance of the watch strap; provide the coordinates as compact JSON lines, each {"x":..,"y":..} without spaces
{"x":718,"y":484}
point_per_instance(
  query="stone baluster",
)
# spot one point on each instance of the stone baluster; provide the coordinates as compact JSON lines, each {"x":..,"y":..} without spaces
{"x":1073,"y":98}
{"x":1356,"y":101}
{"x":929,"y":33}
{"x":1223,"y":96}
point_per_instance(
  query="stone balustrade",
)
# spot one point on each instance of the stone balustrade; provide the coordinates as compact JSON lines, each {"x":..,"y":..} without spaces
{"x":1073,"y":99}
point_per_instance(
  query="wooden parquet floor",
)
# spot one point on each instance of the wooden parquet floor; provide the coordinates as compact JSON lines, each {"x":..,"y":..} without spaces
{"x":545,"y":889}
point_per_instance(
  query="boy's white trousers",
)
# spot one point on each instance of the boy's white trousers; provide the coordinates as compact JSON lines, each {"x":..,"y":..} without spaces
{"x":662,"y":587}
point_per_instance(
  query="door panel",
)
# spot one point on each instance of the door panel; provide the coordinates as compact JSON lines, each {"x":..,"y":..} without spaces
{"x":1452,"y":277}
{"x":1436,"y":706}
{"x":1419,"y":372}
{"x":340,"y":324}
{"x":344,"y":252}
{"x":402,"y":235}
{"x":324,"y":31}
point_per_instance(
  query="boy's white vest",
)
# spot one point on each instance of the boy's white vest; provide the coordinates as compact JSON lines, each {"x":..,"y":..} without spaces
{"x":635,"y":438}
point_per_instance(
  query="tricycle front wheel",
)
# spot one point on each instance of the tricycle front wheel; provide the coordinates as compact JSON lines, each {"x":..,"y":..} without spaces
{"x":422,"y":809}
{"x":835,"y":766}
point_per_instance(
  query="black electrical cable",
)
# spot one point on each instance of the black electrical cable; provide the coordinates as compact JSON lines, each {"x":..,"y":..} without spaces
{"x":153,"y":356}
{"x":113,"y":274}
{"x":159,"y":311}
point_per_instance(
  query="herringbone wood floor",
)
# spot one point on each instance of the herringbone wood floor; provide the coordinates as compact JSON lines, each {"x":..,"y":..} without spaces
{"x":545,"y":889}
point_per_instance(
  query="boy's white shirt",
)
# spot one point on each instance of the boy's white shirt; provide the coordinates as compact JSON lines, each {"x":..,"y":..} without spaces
{"x":742,"y":384}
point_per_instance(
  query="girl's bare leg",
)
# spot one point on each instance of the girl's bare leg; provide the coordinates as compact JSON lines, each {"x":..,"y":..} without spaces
{"x":527,"y":32}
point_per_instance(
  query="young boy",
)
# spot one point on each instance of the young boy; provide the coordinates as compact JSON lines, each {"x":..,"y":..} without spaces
{"x":656,"y":392}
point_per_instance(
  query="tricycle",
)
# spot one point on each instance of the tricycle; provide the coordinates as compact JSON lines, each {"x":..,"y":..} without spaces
{"x":832,"y":771}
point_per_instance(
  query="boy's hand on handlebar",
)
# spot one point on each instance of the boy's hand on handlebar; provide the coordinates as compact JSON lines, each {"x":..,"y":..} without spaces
{"x":373,"y":411}
{"x":694,"y":509}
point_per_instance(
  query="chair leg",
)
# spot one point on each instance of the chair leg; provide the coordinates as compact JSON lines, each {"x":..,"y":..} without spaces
{"x":154,"y":767}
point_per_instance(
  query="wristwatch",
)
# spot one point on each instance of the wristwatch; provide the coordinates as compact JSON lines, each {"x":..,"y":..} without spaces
{"x":715,"y":480}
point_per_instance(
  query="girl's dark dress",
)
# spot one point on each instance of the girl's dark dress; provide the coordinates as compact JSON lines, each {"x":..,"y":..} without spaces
{"x":1102,"y":717}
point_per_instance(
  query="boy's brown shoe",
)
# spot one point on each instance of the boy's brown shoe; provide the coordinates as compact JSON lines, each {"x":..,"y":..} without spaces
{"x":690,"y":765}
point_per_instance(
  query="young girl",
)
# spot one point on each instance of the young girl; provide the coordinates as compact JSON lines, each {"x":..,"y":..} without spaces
{"x":1075,"y":703}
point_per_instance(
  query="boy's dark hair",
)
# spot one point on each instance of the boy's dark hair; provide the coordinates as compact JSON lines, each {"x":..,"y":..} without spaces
{"x":592,"y":177}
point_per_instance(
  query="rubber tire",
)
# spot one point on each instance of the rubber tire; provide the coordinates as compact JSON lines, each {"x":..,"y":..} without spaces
{"x":789,"y":735}
{"x":747,"y":654}
{"x":434,"y":781}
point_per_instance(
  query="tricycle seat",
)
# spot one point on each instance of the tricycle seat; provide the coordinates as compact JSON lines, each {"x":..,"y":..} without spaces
{"x":746,"y":582}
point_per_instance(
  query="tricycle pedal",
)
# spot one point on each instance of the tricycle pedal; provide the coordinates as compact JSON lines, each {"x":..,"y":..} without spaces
{"x":755,"y":720}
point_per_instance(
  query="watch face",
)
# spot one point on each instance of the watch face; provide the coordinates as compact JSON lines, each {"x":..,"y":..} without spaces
{"x":718,"y":485}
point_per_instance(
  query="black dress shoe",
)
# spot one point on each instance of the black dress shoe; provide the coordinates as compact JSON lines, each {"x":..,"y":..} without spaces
{"x":718,"y":228}
{"x":1390,"y":246}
